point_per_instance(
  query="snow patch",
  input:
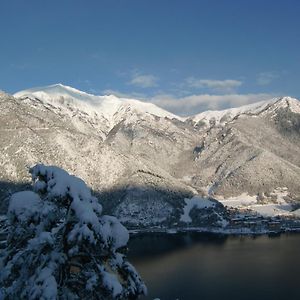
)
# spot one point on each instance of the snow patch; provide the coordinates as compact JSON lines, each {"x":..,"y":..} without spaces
{"x":238,"y":201}
{"x":113,"y":228}
{"x":272,"y":210}
{"x":111,"y":282}
{"x":195,"y":202}
{"x":24,"y":205}
{"x":280,"y":207}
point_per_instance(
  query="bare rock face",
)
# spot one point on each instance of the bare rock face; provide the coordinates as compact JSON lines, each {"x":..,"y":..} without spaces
{"x":142,"y":160}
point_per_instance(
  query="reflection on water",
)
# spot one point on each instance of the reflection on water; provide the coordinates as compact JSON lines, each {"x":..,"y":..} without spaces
{"x":203,"y":266}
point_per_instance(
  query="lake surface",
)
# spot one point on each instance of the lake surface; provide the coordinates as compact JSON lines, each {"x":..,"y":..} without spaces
{"x":206,"y":266}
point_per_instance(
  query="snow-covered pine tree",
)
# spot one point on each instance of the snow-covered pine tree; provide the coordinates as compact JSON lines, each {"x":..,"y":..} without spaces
{"x":60,"y":246}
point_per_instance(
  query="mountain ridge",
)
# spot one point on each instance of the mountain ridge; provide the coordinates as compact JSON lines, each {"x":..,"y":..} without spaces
{"x":151,"y":163}
{"x":109,"y":105}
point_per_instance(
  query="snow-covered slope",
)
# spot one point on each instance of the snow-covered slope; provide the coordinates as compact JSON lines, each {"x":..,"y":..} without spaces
{"x":134,"y":151}
{"x":109,"y":107}
{"x":223,"y":116}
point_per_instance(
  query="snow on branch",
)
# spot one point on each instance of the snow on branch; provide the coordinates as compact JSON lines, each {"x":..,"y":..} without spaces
{"x":61,"y":246}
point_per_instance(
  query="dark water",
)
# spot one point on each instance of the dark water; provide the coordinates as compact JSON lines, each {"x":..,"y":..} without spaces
{"x":203,"y":266}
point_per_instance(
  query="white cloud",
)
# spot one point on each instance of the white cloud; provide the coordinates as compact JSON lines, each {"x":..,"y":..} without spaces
{"x":143,"y":80}
{"x":184,"y":104}
{"x":266,"y":78}
{"x":195,"y":104}
{"x":223,"y":86}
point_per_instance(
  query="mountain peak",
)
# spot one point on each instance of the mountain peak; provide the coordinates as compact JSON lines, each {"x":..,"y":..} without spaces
{"x":268,"y":106}
{"x":59,"y":95}
{"x":292,"y":103}
{"x":53,"y":91}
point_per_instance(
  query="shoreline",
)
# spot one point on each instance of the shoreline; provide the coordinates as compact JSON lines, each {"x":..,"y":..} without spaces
{"x":217,"y":231}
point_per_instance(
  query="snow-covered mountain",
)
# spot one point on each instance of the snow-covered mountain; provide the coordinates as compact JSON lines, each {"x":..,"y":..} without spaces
{"x":223,"y":116}
{"x":112,"y":108}
{"x":143,"y":160}
{"x":108,"y":107}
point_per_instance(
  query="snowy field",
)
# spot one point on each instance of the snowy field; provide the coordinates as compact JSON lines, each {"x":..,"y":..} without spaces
{"x":280,"y":207}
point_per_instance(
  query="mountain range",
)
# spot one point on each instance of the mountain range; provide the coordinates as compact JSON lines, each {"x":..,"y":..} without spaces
{"x":144,"y":161}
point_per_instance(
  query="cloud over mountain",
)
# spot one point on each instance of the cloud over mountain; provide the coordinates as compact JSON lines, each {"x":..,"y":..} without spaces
{"x":144,"y":80}
{"x":196,"y":103}
{"x":221,"y":86}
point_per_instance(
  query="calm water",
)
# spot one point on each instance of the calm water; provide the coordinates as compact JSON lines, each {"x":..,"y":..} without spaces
{"x":202,"y":266}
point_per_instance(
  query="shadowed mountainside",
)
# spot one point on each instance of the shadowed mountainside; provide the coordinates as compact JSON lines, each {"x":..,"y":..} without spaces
{"x":138,"y":207}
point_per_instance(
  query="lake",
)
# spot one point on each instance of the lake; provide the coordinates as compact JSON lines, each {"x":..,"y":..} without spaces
{"x":207,"y":266}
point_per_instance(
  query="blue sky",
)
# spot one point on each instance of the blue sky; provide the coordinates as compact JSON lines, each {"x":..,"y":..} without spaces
{"x":185,"y":56}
